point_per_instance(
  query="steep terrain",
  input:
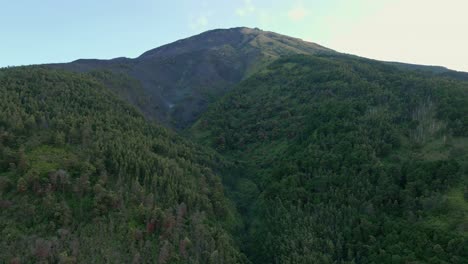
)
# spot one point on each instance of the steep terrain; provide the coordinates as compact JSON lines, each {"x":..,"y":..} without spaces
{"x":294,"y":153}
{"x":175,"y":83}
{"x":85,"y":179}
{"x":180,"y":79}
{"x":437,"y":70}
{"x":346,"y":160}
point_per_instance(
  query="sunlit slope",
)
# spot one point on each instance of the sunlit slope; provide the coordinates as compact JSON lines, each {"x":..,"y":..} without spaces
{"x":346,"y":160}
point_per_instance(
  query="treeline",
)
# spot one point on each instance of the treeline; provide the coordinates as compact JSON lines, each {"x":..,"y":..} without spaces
{"x":84,"y":178}
{"x":345,"y":160}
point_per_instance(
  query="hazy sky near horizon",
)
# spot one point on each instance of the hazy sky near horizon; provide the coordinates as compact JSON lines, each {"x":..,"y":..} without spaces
{"x":432,"y":32}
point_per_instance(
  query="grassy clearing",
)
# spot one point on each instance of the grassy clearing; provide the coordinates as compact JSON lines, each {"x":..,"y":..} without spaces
{"x":46,"y":158}
{"x":456,"y":217}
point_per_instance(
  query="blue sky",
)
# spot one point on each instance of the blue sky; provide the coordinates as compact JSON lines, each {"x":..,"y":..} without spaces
{"x":417,"y":31}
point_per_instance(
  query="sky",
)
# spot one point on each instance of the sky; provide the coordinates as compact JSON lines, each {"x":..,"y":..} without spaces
{"x":430,"y":32}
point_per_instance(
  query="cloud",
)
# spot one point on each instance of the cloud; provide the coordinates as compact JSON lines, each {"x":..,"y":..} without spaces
{"x":199,"y":23}
{"x":247,"y":9}
{"x":262,"y":15}
{"x":297,"y":13}
{"x":400,"y":31}
{"x":264,"y":18}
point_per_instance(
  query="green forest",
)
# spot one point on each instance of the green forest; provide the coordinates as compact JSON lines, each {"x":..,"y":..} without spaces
{"x":313,"y":159}
{"x":84,"y":178}
{"x":346,"y":160}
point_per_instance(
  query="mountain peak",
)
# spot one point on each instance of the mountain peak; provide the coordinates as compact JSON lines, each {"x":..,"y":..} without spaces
{"x":272,"y":44}
{"x":180,"y":79}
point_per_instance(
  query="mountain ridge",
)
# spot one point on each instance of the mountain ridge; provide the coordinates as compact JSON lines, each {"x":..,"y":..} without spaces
{"x":181,"y":78}
{"x":221,"y":36}
{"x":291,"y":154}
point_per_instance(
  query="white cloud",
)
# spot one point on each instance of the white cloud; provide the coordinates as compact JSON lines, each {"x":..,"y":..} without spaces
{"x":262,"y":15}
{"x":297,"y":13}
{"x":202,"y":21}
{"x":417,"y":31}
{"x":199,"y":23}
{"x":264,"y":18}
{"x":247,"y":9}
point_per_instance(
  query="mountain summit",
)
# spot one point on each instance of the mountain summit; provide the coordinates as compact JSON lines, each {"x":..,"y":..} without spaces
{"x":269,"y":43}
{"x":175,"y":82}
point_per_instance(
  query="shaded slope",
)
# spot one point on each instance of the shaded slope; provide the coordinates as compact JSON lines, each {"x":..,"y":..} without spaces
{"x":183,"y":77}
{"x":85,"y":179}
{"x":346,"y":160}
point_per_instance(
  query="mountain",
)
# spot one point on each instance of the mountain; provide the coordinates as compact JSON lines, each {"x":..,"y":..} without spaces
{"x":84,"y":178}
{"x":234,"y":146}
{"x":181,"y":79}
{"x":437,"y":70}
{"x":345,"y":160}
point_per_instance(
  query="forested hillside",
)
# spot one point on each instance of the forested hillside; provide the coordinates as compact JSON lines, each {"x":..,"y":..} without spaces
{"x":346,"y":160}
{"x":301,"y":155}
{"x":84,"y":178}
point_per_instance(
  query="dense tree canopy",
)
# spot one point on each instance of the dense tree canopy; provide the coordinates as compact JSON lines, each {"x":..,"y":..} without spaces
{"x":84,"y":178}
{"x":346,"y":160}
{"x":325,"y":159}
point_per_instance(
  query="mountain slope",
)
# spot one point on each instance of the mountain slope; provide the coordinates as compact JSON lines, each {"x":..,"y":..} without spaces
{"x":182,"y":78}
{"x":85,"y":179}
{"x":435,"y":70}
{"x":328,"y":158}
{"x":346,"y":160}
